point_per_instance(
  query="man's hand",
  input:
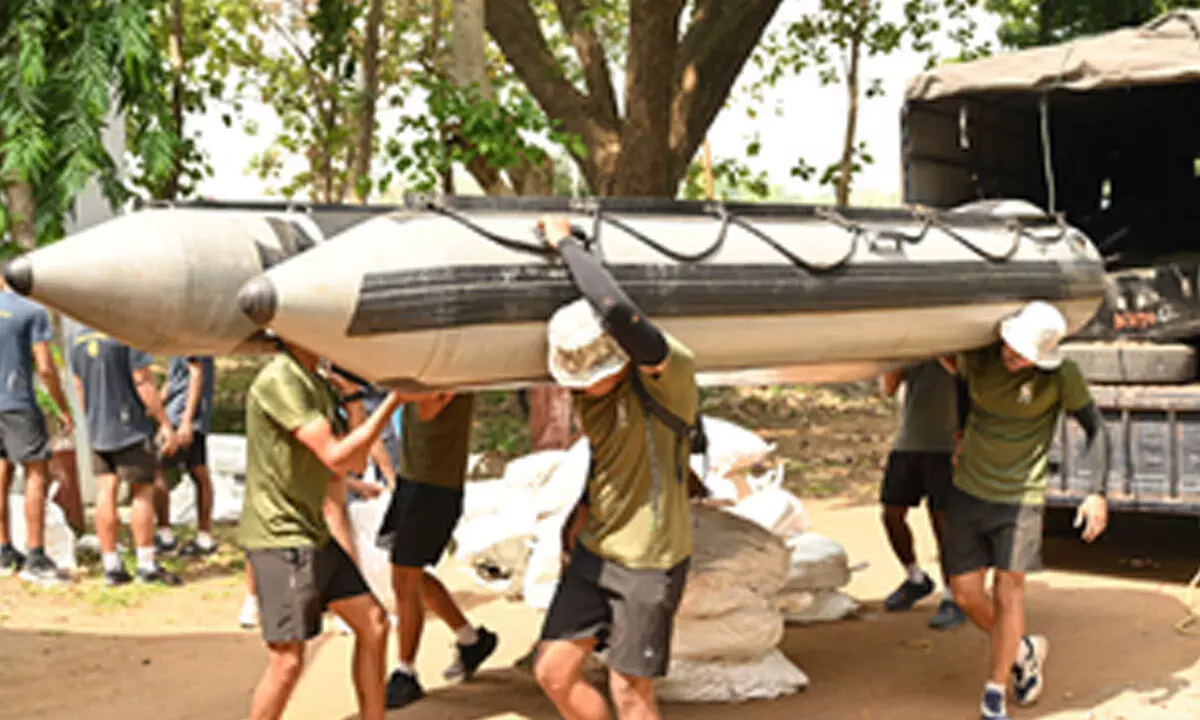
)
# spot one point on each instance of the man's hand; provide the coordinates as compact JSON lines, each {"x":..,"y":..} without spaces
{"x":554,"y":229}
{"x":167,"y":441}
{"x":185,"y":434}
{"x":344,"y":385}
{"x":1092,"y":516}
{"x":68,"y":424}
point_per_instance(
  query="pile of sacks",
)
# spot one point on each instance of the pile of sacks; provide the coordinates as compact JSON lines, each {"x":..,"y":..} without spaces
{"x":755,"y":564}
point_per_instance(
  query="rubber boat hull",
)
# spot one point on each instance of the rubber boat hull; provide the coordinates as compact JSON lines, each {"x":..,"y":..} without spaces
{"x":458,"y":297}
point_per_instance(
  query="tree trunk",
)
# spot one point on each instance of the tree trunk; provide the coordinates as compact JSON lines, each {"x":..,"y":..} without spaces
{"x":170,"y":187}
{"x":22,"y":208}
{"x":360,"y":177}
{"x":467,"y":47}
{"x":846,"y":173}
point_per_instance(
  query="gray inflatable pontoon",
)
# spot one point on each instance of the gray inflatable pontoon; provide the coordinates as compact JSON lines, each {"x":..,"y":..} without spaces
{"x":458,"y":295}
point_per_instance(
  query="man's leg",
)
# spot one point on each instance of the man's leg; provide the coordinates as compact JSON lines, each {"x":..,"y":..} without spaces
{"x":35,"y":504}
{"x":1009,"y":625}
{"x":367,"y":618}
{"x":164,"y":535}
{"x":285,"y":663}
{"x":903,"y":488}
{"x":10,"y":559}
{"x":948,"y":615}
{"x":406,"y":583}
{"x":559,"y":672}
{"x":633,"y":696}
{"x":204,"y":498}
{"x":141,"y":522}
{"x":474,"y":645}
{"x":107,"y":524}
{"x":900,"y":537}
{"x":970,"y":593}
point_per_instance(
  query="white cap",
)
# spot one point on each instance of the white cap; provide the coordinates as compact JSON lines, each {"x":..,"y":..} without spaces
{"x":1035,"y":332}
{"x":582,"y":353}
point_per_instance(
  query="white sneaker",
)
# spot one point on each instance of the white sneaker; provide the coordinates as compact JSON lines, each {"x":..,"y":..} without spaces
{"x":248,"y":617}
{"x":1029,"y":674}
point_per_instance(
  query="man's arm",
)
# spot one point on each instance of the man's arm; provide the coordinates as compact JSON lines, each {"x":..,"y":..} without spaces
{"x":143,"y":382}
{"x":48,"y":372}
{"x":79,"y":391}
{"x":623,"y":319}
{"x":889,"y":382}
{"x":194,"y":392}
{"x":348,"y":453}
{"x":950,"y":362}
{"x":383,"y":460}
{"x":1092,"y":515}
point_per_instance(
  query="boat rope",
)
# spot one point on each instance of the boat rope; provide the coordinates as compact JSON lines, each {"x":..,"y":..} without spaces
{"x":927,"y":217}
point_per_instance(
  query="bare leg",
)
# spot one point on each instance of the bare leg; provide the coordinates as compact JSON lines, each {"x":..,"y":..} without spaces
{"x":633,"y":696}
{"x":559,"y":672}
{"x":895,"y":521}
{"x":141,"y":520}
{"x":162,"y":499}
{"x":36,"y":481}
{"x":285,"y":662}
{"x":1009,"y":626}
{"x":106,"y":512}
{"x":366,"y":617}
{"x":938,"y":519}
{"x":6,"y":478}
{"x":406,"y":582}
{"x":438,"y":600}
{"x":970,"y":594}
{"x":204,"y":497}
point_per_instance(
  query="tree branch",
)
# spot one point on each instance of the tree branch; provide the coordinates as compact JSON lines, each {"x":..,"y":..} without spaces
{"x":591,"y":56}
{"x":718,"y":42}
{"x":514,"y":27}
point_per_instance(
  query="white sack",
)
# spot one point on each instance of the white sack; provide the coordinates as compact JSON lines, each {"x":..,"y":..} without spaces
{"x":744,"y":633}
{"x":827,"y":606}
{"x":767,"y":677}
{"x":776,"y":510}
{"x":59,"y":537}
{"x":729,"y":545}
{"x":366,"y":516}
{"x":730,"y":448}
{"x":817,"y":563}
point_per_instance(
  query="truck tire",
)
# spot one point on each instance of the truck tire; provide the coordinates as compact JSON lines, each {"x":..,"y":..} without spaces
{"x":1134,"y":363}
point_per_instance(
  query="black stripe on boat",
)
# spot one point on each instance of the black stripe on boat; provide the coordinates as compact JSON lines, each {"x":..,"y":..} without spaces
{"x":448,"y":297}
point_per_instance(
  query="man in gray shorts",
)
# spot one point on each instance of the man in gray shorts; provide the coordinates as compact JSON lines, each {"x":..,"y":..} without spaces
{"x":919,"y":467}
{"x":627,"y":570}
{"x":187,"y":396}
{"x":119,"y":399}
{"x":25,"y":335}
{"x":297,"y":443}
{"x":1018,"y":389}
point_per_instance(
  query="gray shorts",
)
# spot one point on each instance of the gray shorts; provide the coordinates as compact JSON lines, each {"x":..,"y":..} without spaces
{"x":981,"y":534}
{"x":295,"y":585}
{"x":631,"y":612}
{"x":135,"y":464}
{"x":23,"y":436}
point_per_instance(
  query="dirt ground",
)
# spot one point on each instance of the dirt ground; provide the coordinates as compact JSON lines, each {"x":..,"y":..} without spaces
{"x":1109,"y":610}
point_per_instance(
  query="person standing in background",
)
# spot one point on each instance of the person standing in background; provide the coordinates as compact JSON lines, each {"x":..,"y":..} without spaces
{"x":188,"y":396}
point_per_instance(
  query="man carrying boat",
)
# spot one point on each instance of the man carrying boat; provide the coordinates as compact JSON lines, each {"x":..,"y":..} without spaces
{"x":629,"y":537}
{"x":297,"y":444}
{"x":920,"y":466}
{"x":434,"y":448}
{"x":1018,"y":387}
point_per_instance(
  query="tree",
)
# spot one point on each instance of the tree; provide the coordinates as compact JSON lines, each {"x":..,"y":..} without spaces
{"x":677,"y":77}
{"x":836,"y":40}
{"x":66,"y":68}
{"x":1027,"y":23}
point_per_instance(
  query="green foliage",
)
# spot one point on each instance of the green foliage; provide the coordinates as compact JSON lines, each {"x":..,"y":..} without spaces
{"x":1027,"y":23}
{"x":65,"y":67}
{"x":462,"y":124}
{"x":733,"y":179}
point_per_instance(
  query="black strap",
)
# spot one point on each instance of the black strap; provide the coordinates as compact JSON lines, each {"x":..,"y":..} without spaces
{"x":693,"y":434}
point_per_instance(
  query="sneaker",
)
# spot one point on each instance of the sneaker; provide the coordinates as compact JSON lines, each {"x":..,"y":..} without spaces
{"x":992,"y":707}
{"x":165,"y":548}
{"x":403,"y":690}
{"x":11,"y":561}
{"x":469,"y":657}
{"x":248,"y":616}
{"x":158,"y":576}
{"x":948,"y":616}
{"x":41,"y":569}
{"x":908,"y":594}
{"x":192,"y":549}
{"x":120,"y":576}
{"x":1029,"y":674}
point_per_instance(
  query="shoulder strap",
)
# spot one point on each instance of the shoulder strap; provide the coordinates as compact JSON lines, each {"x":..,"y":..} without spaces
{"x":694,"y":433}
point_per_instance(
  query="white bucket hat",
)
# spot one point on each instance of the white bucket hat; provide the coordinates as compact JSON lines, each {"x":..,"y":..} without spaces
{"x":1035,"y":332}
{"x":582,"y":353}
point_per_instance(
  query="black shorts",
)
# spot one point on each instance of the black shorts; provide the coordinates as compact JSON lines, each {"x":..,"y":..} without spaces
{"x":23,"y":436}
{"x":631,"y":612}
{"x":135,"y":464}
{"x":294,"y":586}
{"x":420,"y":522}
{"x":189,"y":458}
{"x":981,"y":534}
{"x":910,"y":476}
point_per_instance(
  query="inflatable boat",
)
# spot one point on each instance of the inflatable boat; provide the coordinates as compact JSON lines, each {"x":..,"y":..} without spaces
{"x":457,"y":293}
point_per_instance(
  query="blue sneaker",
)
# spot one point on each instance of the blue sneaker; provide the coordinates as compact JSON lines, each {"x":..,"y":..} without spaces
{"x":992,"y":707}
{"x":1029,"y":670}
{"x":908,"y":594}
{"x":948,"y":616}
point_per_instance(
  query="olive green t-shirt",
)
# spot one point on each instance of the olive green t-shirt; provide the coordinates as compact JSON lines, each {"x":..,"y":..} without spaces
{"x":1006,"y":446}
{"x":285,"y":481}
{"x":435,"y":452}
{"x":627,"y":523}
{"x":928,"y":409}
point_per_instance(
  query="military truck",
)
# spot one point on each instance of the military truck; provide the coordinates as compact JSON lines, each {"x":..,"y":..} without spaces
{"x":1104,"y":131}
